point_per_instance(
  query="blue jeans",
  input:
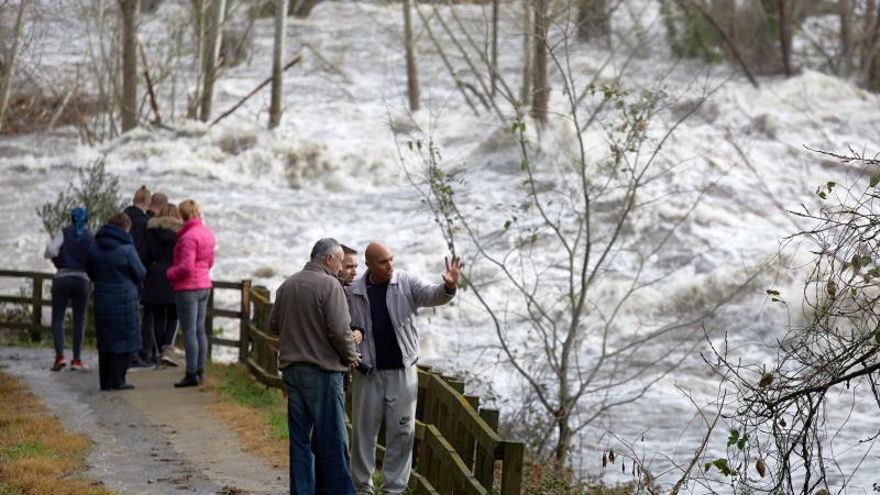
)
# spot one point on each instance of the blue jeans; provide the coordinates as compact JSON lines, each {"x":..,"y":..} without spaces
{"x":315,"y":402}
{"x":192,"y":308}
{"x":74,"y":290}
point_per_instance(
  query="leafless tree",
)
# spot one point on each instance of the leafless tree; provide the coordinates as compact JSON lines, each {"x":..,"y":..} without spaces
{"x":525,"y":88}
{"x":128,"y":10}
{"x":785,"y":406}
{"x":8,"y":59}
{"x":217,"y":12}
{"x":570,"y":233}
{"x":540,"y":76}
{"x":276,"y":106}
{"x":412,"y":76}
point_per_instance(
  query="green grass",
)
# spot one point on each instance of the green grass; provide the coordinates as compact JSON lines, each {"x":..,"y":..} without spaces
{"x":236,"y":386}
{"x":9,"y":490}
{"x":24,"y":449}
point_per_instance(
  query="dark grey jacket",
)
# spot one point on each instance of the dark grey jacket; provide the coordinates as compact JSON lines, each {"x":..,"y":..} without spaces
{"x":311,"y":318}
{"x":406,"y":294}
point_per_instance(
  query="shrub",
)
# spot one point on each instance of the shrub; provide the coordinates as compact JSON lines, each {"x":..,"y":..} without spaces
{"x":96,"y":189}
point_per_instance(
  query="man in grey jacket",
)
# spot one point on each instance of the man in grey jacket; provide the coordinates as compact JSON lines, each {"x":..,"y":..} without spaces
{"x":311,"y":317}
{"x":384,"y":303}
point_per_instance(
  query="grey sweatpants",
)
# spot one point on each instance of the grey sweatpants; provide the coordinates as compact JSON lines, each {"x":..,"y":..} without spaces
{"x":392,"y":394}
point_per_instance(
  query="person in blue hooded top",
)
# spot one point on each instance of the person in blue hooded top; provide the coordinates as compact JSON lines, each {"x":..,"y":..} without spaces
{"x":69,"y":250}
{"x":116,"y":270}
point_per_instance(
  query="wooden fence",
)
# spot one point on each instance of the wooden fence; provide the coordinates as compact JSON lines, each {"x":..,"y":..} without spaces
{"x":458,"y":449}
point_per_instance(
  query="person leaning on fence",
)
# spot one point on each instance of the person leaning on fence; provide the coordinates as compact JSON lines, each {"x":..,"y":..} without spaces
{"x":158,"y":296}
{"x":311,"y":318}
{"x":190,"y":277}
{"x":383,"y":302}
{"x":116,"y":270}
{"x":69,"y":252}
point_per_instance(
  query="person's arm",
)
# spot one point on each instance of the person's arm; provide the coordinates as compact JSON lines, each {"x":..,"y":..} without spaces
{"x":426,"y":295}
{"x":357,"y":333}
{"x":338,"y":323}
{"x":54,"y":247}
{"x":184,"y":263}
{"x":138,"y":272}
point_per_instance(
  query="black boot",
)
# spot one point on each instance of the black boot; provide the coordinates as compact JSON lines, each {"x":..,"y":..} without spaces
{"x":200,"y":374}
{"x":189,"y":380}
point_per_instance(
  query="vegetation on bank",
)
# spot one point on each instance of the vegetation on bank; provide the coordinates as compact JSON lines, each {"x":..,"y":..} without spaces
{"x":37,"y":456}
{"x":258,"y":414}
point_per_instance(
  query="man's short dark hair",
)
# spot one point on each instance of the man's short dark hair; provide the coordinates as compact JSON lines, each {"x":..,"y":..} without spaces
{"x":324,"y":247}
{"x":348,"y":250}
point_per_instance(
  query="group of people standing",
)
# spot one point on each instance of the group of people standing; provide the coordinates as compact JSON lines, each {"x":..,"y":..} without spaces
{"x":330,"y":322}
{"x":150,"y":267}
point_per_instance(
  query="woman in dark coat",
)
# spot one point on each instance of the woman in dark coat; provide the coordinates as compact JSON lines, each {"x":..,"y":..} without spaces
{"x":158,"y":297}
{"x":116,"y":270}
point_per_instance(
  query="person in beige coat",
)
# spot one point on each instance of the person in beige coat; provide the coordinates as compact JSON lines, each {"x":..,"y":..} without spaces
{"x":311,"y":318}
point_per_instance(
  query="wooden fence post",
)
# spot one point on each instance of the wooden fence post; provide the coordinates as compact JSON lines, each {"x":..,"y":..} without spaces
{"x":37,"y":307}
{"x":209,"y":322}
{"x":244,"y":339}
{"x":484,"y":468}
{"x":511,"y":468}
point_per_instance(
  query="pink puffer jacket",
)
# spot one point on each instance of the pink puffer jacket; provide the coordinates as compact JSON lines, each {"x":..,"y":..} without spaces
{"x":193,"y":257}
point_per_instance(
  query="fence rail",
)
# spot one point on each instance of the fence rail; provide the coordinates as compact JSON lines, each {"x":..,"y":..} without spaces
{"x":458,"y":449}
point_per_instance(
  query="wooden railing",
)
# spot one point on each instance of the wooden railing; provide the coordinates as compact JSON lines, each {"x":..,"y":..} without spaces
{"x":30,"y":306}
{"x":458,"y":449}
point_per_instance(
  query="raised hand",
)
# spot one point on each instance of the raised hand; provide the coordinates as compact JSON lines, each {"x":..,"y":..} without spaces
{"x":453,"y":272}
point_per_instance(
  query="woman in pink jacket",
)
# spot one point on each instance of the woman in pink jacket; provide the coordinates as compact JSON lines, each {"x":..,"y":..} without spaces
{"x":190,"y":277}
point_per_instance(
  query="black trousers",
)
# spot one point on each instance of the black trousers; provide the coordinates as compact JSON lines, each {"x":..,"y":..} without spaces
{"x":111,"y":369}
{"x":164,"y":323}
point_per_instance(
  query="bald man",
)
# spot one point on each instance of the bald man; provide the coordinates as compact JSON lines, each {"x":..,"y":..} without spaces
{"x":383,"y":301}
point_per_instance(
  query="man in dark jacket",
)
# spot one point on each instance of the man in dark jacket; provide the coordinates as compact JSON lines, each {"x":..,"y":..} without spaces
{"x":311,"y":317}
{"x":139,"y":213}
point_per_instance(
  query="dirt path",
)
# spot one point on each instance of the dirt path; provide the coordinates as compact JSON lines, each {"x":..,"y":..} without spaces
{"x":152,"y":440}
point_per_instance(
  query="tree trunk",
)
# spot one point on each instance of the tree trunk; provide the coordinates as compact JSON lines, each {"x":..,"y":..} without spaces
{"x":541,"y":95}
{"x":276,"y":107}
{"x":845,"y":10}
{"x":593,"y":20}
{"x":212,"y":51}
{"x":493,"y":71}
{"x":525,"y":90}
{"x":8,"y":61}
{"x":412,"y":76}
{"x":128,"y":105}
{"x":194,"y":103}
{"x":785,"y":33}
{"x":563,"y":442}
{"x":871,"y":47}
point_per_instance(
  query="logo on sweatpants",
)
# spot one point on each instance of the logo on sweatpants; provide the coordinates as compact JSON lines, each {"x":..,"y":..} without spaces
{"x":404,"y":420}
